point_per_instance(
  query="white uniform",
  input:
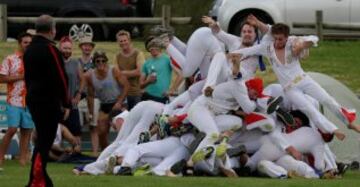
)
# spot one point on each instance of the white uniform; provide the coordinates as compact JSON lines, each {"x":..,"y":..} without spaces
{"x":226,"y":96}
{"x":200,"y":49}
{"x":285,"y":164}
{"x":304,"y":139}
{"x":249,"y":66}
{"x":169,"y":150}
{"x":138,"y":120}
{"x":296,"y":83}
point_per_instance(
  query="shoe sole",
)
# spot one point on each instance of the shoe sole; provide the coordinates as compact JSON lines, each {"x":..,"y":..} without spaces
{"x":111,"y":165}
{"x":273,"y":105}
{"x":236,"y":151}
{"x":195,"y":143}
{"x":178,"y":167}
{"x":286,"y":117}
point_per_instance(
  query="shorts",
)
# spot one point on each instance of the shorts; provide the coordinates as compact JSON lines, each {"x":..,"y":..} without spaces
{"x":106,"y":107}
{"x":19,"y":117}
{"x":73,"y":122}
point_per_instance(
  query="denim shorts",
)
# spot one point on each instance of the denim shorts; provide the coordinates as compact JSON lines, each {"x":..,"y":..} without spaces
{"x":19,"y":117}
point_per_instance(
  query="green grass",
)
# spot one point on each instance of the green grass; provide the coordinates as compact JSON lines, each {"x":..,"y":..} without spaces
{"x":14,"y":176}
{"x":339,"y":59}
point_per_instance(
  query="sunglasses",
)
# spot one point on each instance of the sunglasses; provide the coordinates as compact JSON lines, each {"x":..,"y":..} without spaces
{"x":101,"y":61}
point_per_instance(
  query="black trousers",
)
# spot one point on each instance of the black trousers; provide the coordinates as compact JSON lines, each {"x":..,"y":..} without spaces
{"x":46,"y":117}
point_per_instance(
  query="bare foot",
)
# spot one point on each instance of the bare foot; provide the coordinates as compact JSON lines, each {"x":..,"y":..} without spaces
{"x":168,"y":173}
{"x":228,"y":172}
{"x":339,"y":135}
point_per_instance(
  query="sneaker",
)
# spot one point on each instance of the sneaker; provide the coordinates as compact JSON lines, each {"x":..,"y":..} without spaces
{"x":144,"y":137}
{"x":159,"y":30}
{"x":202,"y":154}
{"x":273,"y":104}
{"x":143,"y":170}
{"x":125,"y":171}
{"x":178,"y":167}
{"x":342,"y":168}
{"x":78,"y":170}
{"x":349,"y":115}
{"x":221,"y":149}
{"x":195,"y":143}
{"x":286,"y":117}
{"x":110,"y":165}
{"x":236,"y":151}
{"x":164,"y":126}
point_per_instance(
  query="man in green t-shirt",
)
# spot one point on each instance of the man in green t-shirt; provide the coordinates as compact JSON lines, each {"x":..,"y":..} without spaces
{"x":156,"y":73}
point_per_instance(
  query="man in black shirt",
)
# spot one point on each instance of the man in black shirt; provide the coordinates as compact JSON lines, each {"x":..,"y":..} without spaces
{"x":47,"y":96}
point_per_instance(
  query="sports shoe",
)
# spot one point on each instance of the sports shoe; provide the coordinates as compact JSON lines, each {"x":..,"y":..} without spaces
{"x":273,"y":104}
{"x":202,"y":154}
{"x":126,"y":171}
{"x":159,"y":30}
{"x":144,"y":137}
{"x":178,"y":167}
{"x":286,"y":117}
{"x":164,"y":126}
{"x":349,"y":115}
{"x":195,"y":143}
{"x":143,"y":170}
{"x":236,"y":151}
{"x":78,"y":170}
{"x":342,"y":168}
{"x":221,"y":148}
{"x":110,"y":165}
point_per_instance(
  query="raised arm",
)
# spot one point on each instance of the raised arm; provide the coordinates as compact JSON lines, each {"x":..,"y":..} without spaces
{"x":240,"y":93}
{"x":231,"y":41}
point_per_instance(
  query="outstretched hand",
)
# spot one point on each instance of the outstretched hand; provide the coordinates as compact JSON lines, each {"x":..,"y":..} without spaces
{"x":252,"y":20}
{"x":208,"y":20}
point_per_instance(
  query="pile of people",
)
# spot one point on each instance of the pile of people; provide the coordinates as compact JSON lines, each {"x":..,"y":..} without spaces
{"x":226,"y":123}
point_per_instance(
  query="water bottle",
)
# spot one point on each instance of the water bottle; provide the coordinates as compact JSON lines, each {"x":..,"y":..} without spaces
{"x":153,"y":71}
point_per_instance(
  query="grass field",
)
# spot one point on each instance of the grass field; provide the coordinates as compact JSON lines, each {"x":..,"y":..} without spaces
{"x":14,"y":176}
{"x":340,"y":60}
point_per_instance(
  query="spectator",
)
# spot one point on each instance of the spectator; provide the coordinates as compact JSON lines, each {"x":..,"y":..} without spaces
{"x":156,"y":73}
{"x":75,"y":85}
{"x":111,"y":87}
{"x":130,"y":61}
{"x":87,"y":46}
{"x":12,"y":73}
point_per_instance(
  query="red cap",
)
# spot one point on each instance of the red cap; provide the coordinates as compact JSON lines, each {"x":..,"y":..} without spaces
{"x":255,"y":84}
{"x":65,"y":39}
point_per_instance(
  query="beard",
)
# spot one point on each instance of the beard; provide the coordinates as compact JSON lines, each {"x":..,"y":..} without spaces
{"x":66,"y":55}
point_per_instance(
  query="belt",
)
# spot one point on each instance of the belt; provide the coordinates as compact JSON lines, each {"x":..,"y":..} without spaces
{"x":295,"y":81}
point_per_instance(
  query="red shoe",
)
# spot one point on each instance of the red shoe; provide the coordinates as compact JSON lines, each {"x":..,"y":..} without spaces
{"x":350,"y":115}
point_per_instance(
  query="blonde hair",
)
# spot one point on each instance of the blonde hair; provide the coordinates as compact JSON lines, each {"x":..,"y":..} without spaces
{"x":123,"y":33}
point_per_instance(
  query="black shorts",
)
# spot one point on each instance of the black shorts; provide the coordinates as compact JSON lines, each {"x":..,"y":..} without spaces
{"x":106,"y":107}
{"x":73,"y":122}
